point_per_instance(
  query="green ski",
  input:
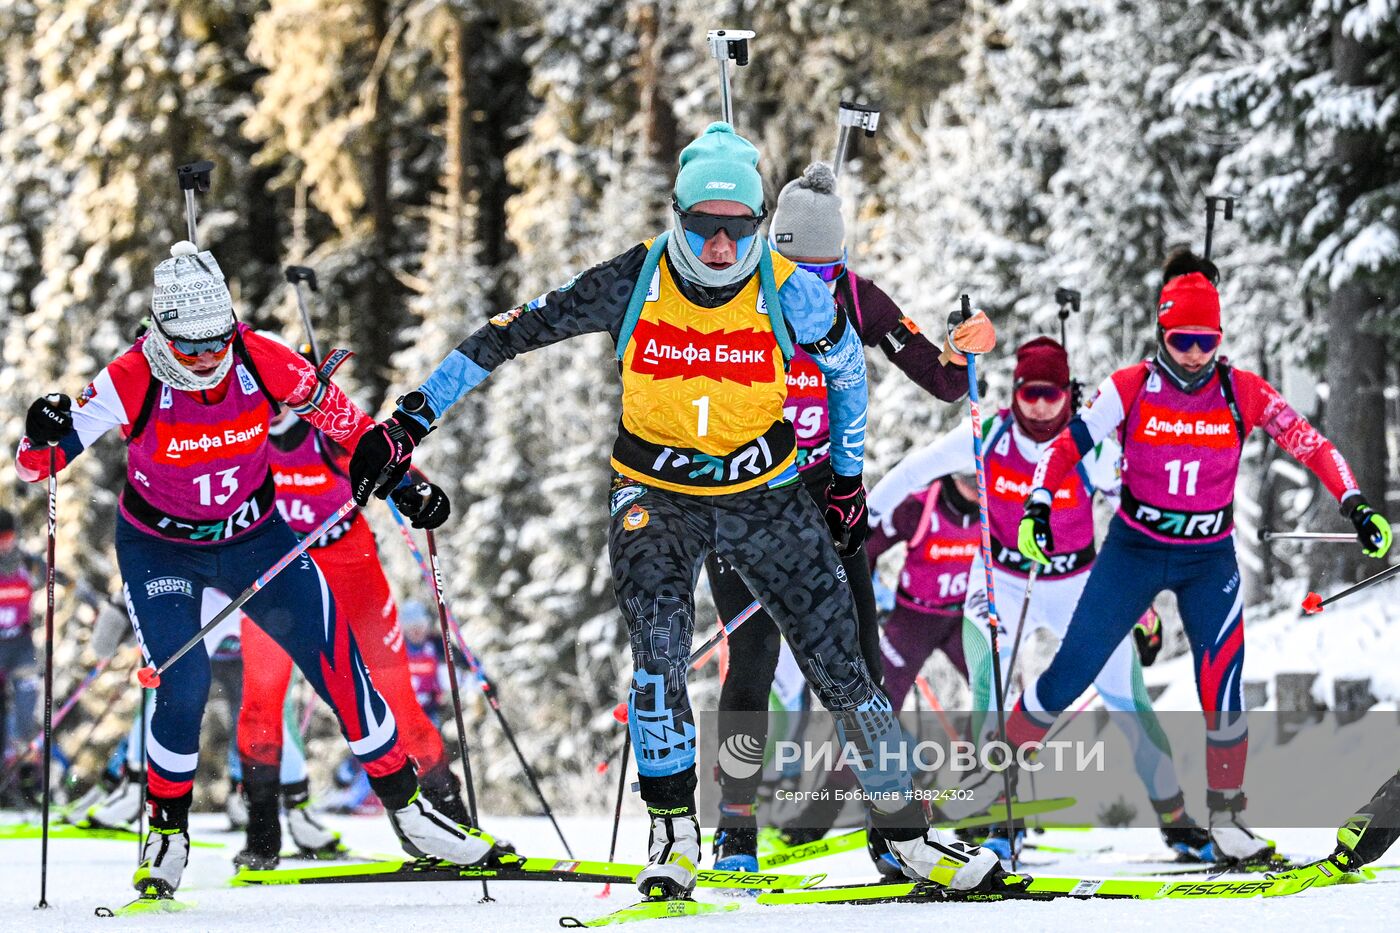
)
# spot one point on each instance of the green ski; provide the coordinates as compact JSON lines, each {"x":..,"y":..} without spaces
{"x":13,"y":831}
{"x":659,"y":909}
{"x":151,"y":902}
{"x":516,"y":869}
{"x":848,"y":842}
{"x":1040,"y":889}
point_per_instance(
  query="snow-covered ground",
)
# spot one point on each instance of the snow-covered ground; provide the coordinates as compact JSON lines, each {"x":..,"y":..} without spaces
{"x":86,"y":874}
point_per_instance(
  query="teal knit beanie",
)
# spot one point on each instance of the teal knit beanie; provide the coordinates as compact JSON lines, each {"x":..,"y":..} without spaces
{"x":720,"y":165}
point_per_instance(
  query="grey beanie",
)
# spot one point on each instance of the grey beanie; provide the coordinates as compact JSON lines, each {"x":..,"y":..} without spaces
{"x":190,"y":298}
{"x":807,"y":221}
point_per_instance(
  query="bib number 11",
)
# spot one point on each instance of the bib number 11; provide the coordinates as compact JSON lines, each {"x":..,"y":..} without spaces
{"x":1174,"y":470}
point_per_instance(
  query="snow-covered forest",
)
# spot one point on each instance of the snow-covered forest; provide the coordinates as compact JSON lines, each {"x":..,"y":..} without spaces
{"x":439,"y":161}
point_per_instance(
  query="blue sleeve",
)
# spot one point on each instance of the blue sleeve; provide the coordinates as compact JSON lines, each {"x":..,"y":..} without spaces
{"x":808,"y":306}
{"x":811,"y":314}
{"x":454,"y":377}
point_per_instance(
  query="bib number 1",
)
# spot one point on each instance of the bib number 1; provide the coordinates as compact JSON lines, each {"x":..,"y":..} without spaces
{"x":702,"y":403}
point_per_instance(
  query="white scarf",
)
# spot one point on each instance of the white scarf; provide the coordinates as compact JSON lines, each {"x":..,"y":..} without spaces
{"x":170,"y":371}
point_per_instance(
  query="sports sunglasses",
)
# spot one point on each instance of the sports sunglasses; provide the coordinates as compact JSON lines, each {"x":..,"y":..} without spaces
{"x":707,"y":225}
{"x":1185,"y":341}
{"x":1040,"y":393}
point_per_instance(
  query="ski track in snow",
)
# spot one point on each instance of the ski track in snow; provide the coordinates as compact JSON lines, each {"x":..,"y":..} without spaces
{"x":86,"y":874}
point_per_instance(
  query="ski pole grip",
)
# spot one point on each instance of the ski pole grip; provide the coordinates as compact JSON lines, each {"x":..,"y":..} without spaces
{"x":966,"y":303}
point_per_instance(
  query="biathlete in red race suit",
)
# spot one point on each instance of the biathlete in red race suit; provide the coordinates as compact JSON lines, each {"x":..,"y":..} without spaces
{"x":1182,"y":419}
{"x":310,"y":473}
{"x":193,"y":399}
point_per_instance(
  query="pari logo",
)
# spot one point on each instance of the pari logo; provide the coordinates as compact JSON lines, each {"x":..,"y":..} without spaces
{"x":664,"y":351}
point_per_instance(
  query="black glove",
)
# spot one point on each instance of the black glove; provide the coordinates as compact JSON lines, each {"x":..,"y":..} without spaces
{"x":1372,"y":530}
{"x":425,"y":504}
{"x":1147,"y":634}
{"x":49,"y":420}
{"x":383,"y":456}
{"x":846,"y":515}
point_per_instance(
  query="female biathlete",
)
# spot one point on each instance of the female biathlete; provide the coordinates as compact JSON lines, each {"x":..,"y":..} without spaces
{"x":193,"y":399}
{"x":1182,"y":419}
{"x":807,"y":229}
{"x":1040,"y":407}
{"x":310,"y":472}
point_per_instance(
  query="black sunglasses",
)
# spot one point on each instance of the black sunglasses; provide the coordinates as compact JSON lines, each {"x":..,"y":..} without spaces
{"x":707,"y":225}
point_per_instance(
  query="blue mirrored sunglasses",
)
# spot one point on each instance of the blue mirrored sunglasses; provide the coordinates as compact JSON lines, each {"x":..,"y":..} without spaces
{"x":826,"y":271}
{"x":1184,"y":342}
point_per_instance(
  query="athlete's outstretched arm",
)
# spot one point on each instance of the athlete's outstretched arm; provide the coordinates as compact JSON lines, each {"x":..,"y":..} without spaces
{"x":951,"y":453}
{"x":591,"y":302}
{"x":837,"y":350}
{"x":1085,"y":431}
{"x":882,"y":324}
{"x":110,"y":401}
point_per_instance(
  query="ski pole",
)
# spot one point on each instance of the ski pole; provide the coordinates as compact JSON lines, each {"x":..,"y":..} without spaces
{"x":1093,"y":695}
{"x":456,"y":696}
{"x":1313,"y":603}
{"x":1339,"y":537}
{"x":849,"y":118}
{"x":620,"y":714}
{"x":49,"y":575}
{"x":1020,"y":627}
{"x":727,"y":45}
{"x":488,"y":689}
{"x":700,"y":655}
{"x":1228,"y":210}
{"x":295,"y":276}
{"x":992,"y":625}
{"x":194,"y":179}
{"x":149,"y":676}
{"x":931,"y":698}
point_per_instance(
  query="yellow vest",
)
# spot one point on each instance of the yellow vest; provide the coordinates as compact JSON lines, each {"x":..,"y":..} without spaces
{"x":705,"y":386}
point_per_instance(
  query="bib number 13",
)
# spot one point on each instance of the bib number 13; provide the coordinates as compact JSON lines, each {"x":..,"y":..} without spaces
{"x":228,"y":485}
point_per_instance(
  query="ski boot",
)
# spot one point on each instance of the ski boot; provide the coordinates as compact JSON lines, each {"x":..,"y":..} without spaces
{"x":121,"y":808}
{"x":1231,"y":842}
{"x":166,"y":851}
{"x":312,"y":839}
{"x":263,"y":847}
{"x":106,"y":783}
{"x":938,"y":856}
{"x":1183,"y":835}
{"x":425,"y":833}
{"x":674,"y":856}
{"x":886,"y":864}
{"x":444,"y":790}
{"x":1003,"y":845}
{"x":236,"y":808}
{"x":736,"y":847}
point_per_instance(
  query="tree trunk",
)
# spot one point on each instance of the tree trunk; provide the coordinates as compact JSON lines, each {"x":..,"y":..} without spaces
{"x":382,"y":309}
{"x":1355,"y":369}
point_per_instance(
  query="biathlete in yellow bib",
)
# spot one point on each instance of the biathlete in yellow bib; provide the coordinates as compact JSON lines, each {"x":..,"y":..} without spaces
{"x":705,"y":318}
